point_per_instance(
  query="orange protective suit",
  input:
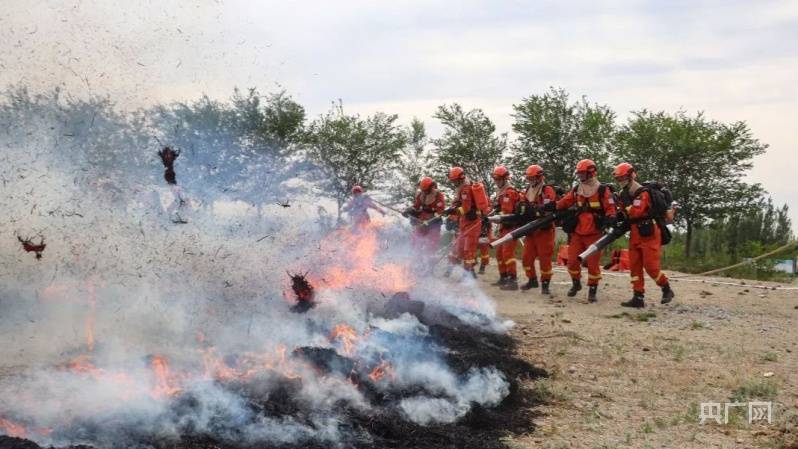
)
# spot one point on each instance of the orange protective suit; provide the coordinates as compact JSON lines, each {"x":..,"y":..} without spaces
{"x":539,"y":244}
{"x":644,"y":250}
{"x":587,"y":231}
{"x":469,"y":227}
{"x":426,"y":238}
{"x":506,"y":201}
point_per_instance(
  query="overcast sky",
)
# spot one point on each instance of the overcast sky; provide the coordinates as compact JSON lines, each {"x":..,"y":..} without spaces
{"x":735,"y":60}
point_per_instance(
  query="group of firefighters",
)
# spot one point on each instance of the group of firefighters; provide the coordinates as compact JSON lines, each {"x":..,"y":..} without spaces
{"x":594,"y":208}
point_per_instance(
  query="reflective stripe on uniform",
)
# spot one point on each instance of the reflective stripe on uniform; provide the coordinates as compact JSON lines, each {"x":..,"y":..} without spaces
{"x":659,"y":276}
{"x":595,"y":204}
{"x":594,"y":276}
{"x":574,"y":272}
{"x":546,"y":272}
{"x":509,"y":261}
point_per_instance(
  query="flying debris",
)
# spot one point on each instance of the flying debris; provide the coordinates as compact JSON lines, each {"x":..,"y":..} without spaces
{"x":304,"y":292}
{"x":31,"y":247}
{"x":168,"y":157}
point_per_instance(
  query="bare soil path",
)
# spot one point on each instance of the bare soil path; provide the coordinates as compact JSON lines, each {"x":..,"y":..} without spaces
{"x":627,"y":378}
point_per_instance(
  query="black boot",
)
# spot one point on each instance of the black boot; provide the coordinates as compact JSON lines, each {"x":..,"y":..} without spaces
{"x":591,"y":293}
{"x":577,"y":285}
{"x":482,"y":268}
{"x":511,"y":283}
{"x":544,"y":288}
{"x":531,"y":283}
{"x":501,"y":281}
{"x":667,"y":294}
{"x":637,"y":301}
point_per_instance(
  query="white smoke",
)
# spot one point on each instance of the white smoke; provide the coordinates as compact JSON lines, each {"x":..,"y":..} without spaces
{"x":122,"y":292}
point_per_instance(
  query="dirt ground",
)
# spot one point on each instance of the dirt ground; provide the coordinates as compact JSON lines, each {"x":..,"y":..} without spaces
{"x":635,"y":378}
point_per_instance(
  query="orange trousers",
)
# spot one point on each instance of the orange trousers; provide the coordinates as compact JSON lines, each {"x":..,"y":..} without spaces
{"x":578,"y":244}
{"x":465,"y":246}
{"x":505,"y":255}
{"x":645,"y":254}
{"x":484,"y":248}
{"x":539,"y":245}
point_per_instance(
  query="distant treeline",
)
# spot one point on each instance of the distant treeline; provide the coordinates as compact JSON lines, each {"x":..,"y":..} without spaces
{"x":231,"y":149}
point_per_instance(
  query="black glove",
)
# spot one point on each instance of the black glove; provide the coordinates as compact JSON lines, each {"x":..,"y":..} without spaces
{"x":550,"y":207}
{"x":471,"y":214}
{"x":609,"y":221}
{"x":449,"y":211}
{"x":450,"y":225}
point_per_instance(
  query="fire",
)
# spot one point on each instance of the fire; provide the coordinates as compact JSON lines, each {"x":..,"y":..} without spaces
{"x":248,"y":365}
{"x":92,"y":298}
{"x":347,"y":336}
{"x":12,"y":429}
{"x":82,"y":364}
{"x":355,"y":253}
{"x":281,"y":351}
{"x":164,"y":381}
{"x":381,"y":370}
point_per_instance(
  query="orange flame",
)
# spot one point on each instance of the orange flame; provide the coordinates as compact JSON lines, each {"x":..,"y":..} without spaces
{"x":347,"y":336}
{"x":248,"y":365}
{"x":82,"y":364}
{"x":381,"y":370}
{"x":12,"y":429}
{"x":92,"y":297}
{"x":164,"y":380}
{"x":359,"y":267}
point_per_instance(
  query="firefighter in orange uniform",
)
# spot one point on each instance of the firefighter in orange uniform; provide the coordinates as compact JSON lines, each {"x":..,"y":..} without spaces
{"x":595,"y":210}
{"x":466,"y":211}
{"x":506,"y":202}
{"x":645,"y":244}
{"x":358,"y":207}
{"x":428,"y":205}
{"x":540,"y":244}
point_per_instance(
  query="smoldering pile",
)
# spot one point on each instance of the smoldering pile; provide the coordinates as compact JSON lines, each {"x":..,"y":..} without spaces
{"x":406,"y":381}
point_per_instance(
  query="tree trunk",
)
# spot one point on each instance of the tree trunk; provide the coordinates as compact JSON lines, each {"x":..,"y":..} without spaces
{"x":688,"y":239}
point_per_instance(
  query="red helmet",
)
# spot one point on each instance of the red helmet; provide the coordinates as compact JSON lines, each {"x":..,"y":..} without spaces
{"x":426,"y":183}
{"x":456,"y":173}
{"x":624,"y":169}
{"x":357,"y":189}
{"x":501,"y":172}
{"x":534,"y":170}
{"x":586,"y":166}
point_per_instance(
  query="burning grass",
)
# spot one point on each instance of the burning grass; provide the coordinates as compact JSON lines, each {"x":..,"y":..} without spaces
{"x":383,"y":423}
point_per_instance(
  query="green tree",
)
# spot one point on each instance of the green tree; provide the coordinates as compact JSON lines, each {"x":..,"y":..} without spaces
{"x":413,"y":162}
{"x":556,"y":134}
{"x":233,"y":148}
{"x":702,"y":162}
{"x":469,"y":140}
{"x":348,"y":150}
